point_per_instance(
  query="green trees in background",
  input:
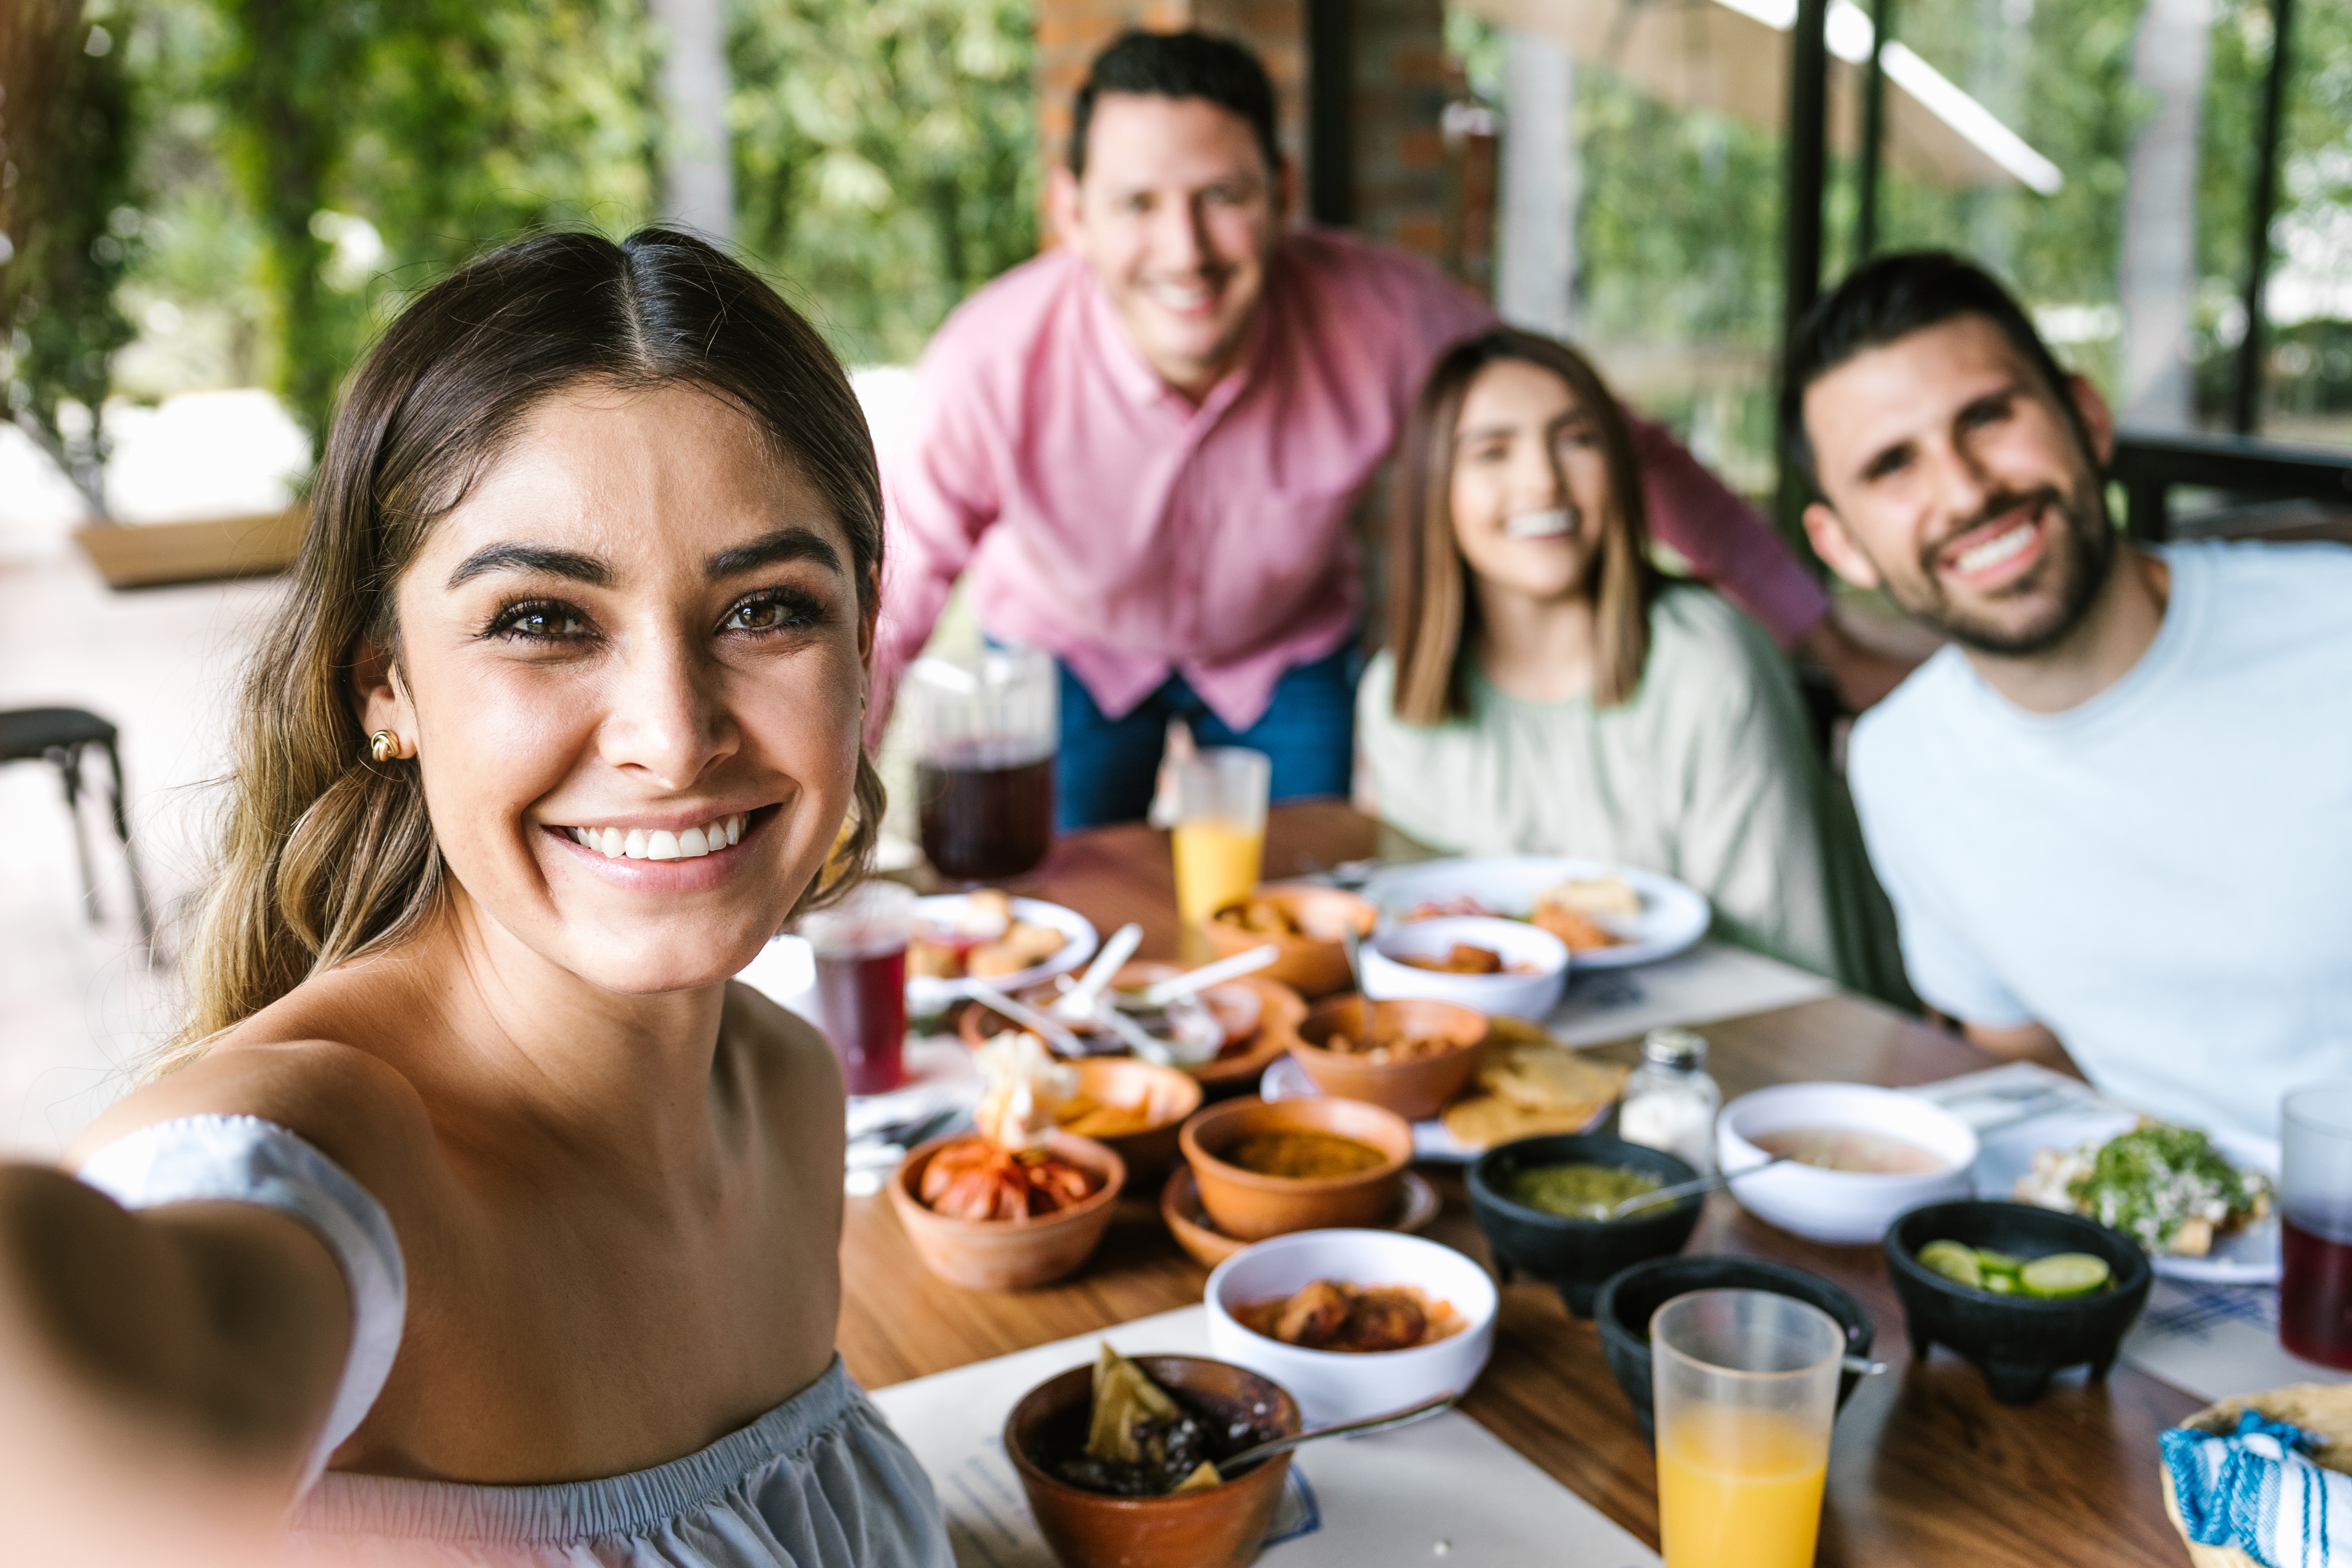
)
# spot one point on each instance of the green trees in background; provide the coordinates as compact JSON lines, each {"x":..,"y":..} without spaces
{"x":258,"y":185}
{"x":884,"y":157}
{"x":68,"y":231}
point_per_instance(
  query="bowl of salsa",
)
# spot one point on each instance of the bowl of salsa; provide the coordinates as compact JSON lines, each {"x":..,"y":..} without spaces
{"x":1268,"y":1168}
{"x":1545,"y":1203}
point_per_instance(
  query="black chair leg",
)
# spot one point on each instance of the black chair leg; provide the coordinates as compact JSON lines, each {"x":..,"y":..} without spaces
{"x":67,"y":760}
{"x":130,"y":858}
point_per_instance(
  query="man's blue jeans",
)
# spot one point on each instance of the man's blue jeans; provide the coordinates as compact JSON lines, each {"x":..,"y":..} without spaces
{"x":1108,"y":766}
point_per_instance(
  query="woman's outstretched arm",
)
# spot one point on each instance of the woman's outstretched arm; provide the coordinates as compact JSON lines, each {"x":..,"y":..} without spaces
{"x":166,"y":1371}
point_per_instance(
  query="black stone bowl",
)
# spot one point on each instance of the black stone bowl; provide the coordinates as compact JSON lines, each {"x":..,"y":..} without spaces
{"x":1576,"y":1255}
{"x":1630,"y":1299}
{"x":2017,"y":1342}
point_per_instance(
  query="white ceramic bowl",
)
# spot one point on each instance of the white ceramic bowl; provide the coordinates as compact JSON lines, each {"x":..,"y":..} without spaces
{"x":1531,"y":994}
{"x":1845,"y":1208}
{"x":1330,"y":1385}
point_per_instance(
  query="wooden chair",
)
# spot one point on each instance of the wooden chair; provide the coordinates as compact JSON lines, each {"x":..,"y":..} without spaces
{"x":59,"y":736}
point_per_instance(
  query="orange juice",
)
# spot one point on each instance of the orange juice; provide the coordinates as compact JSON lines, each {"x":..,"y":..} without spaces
{"x":1216,"y":863}
{"x":1739,"y":1488}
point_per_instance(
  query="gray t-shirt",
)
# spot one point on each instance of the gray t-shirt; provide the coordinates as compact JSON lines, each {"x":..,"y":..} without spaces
{"x":1707,"y":773}
{"x":2162,"y":875}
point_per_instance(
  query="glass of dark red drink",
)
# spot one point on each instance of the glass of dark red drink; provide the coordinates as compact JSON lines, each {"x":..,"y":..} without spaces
{"x":2316,"y":1224}
{"x":984,"y":736}
{"x":860,"y":948}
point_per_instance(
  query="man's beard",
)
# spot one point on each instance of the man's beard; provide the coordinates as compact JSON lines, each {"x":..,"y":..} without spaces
{"x":2076,"y":562}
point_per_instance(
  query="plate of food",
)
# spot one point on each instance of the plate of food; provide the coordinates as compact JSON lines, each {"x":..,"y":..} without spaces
{"x":1611,"y":916}
{"x":990,"y":935}
{"x":1526,"y":1083}
{"x":2200,"y":1204}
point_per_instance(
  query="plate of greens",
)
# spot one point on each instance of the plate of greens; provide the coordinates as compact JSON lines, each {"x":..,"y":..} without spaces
{"x":2202,"y":1203}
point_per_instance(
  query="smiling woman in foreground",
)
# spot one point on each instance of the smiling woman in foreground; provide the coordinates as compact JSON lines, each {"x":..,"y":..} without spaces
{"x":475,"y":1183}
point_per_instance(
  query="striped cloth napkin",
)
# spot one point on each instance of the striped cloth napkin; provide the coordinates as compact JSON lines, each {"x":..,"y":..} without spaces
{"x":2255,"y":1490}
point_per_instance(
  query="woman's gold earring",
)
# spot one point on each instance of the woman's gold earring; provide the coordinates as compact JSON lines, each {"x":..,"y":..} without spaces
{"x":384,"y":746}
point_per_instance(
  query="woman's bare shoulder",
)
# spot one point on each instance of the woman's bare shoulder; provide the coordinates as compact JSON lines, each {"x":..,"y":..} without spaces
{"x":783,"y":1053}
{"x":352,"y":1106}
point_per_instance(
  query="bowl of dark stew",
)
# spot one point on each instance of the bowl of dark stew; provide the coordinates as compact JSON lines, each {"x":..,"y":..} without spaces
{"x":1098,"y":1513}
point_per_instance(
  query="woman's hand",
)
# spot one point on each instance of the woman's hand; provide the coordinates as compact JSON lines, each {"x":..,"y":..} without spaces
{"x":165,"y":1372}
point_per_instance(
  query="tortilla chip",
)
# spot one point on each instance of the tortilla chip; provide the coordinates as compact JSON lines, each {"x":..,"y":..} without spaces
{"x":1484,"y":1121}
{"x":1548,"y":1078}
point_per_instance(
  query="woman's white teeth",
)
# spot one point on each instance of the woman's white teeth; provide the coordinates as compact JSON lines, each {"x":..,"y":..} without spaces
{"x":1548,"y":524}
{"x":636,"y":844}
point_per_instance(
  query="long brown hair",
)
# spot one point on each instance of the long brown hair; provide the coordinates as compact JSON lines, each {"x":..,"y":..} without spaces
{"x":1432,"y":613}
{"x":328,"y":856}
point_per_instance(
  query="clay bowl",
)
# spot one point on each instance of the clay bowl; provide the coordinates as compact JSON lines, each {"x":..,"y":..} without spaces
{"x":1279,"y":1010}
{"x":1415,"y":1090}
{"x":1252,"y":1207}
{"x":1218,"y":1527}
{"x":1008,"y":1255}
{"x":1313,"y":963}
{"x":1168,"y":1095}
{"x":1197,"y":1233}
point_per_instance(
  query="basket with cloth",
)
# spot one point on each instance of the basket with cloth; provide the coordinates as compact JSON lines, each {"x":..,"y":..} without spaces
{"x":2264,"y":1479}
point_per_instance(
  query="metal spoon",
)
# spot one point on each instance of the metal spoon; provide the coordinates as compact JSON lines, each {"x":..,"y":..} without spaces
{"x":1061,"y":1039}
{"x":1079,"y":1001}
{"x":1689,"y":1189}
{"x":1351,"y":942}
{"x":1394,"y":1419}
{"x":1194,"y":980}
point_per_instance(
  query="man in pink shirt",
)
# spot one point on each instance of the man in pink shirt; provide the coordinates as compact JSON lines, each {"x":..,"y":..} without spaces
{"x":1144,"y":446}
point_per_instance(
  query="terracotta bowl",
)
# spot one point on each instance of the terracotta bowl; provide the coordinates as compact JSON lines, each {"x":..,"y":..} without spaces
{"x":1169,"y":1095}
{"x":1217,"y":1528}
{"x":1313,"y":963}
{"x":1252,"y":1207}
{"x":1008,"y":1255}
{"x":1413,"y":1090}
{"x":1280,"y":1011}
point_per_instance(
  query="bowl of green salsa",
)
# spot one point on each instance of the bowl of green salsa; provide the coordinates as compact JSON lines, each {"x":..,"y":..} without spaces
{"x":1544,"y":1202}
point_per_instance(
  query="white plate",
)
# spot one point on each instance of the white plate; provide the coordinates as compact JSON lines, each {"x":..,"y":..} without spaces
{"x":2248,"y":1257}
{"x":1674,"y":914}
{"x":1285,"y":1079}
{"x":926,"y":995}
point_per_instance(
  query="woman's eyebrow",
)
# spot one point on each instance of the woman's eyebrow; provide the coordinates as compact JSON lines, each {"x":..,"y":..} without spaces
{"x":791,"y":543}
{"x":532,"y":558}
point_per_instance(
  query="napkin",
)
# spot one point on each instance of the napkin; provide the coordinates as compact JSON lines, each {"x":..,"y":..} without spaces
{"x":2257,"y":1491}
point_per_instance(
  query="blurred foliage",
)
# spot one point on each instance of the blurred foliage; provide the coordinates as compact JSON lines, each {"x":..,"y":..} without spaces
{"x":316,"y":161}
{"x":884,"y":157}
{"x":1678,"y":231}
{"x":68,"y":226}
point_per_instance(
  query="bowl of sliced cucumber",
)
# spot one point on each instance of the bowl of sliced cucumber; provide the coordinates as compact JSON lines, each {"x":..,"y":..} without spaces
{"x":2020,"y":1291}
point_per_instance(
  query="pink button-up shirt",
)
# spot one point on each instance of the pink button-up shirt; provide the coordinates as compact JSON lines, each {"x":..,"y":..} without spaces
{"x":1103,"y":517}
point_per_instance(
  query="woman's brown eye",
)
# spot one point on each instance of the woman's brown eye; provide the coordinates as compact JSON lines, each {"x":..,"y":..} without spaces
{"x":775,"y":612}
{"x":541,"y":623}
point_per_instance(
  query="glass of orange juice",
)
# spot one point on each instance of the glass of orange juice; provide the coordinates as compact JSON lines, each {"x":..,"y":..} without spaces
{"x":1745,"y":1384}
{"x":1220,"y":829}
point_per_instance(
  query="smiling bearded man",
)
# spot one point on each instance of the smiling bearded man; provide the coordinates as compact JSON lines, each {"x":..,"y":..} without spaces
{"x":2115,"y":819}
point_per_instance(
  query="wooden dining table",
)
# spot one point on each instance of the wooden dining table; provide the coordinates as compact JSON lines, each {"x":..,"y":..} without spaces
{"x":1925,"y":1468}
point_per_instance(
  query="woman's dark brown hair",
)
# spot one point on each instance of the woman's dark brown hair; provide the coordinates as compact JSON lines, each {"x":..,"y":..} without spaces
{"x":1432,"y":613}
{"x":327,"y":855}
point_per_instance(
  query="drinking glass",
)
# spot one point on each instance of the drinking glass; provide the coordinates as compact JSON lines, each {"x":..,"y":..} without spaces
{"x":984,"y":735}
{"x":860,"y":948}
{"x":2316,"y":1224}
{"x":1220,"y":835}
{"x":1746,"y":1385}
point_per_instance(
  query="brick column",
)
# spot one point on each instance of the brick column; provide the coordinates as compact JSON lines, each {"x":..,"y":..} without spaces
{"x":1398,"y":76}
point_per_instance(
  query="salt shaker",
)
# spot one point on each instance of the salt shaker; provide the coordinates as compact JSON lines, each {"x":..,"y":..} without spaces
{"x":1670,"y":1100}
